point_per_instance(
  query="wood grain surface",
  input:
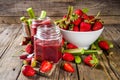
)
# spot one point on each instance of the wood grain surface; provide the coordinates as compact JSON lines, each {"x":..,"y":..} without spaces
{"x":10,"y":64}
{"x":11,"y":10}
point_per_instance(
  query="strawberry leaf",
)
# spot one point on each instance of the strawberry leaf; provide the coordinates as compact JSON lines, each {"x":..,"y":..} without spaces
{"x":85,"y":10}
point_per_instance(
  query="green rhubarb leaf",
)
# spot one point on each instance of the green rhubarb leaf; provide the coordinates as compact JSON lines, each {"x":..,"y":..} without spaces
{"x":85,"y":10}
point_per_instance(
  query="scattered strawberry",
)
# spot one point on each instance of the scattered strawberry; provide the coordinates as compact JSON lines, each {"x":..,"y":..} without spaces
{"x":68,"y":57}
{"x":46,"y":66}
{"x":71,"y":46}
{"x":68,"y":67}
{"x":77,"y":21}
{"x":24,"y":56}
{"x":78,"y":12}
{"x":91,"y":60}
{"x":75,"y":28}
{"x":104,"y":45}
{"x":98,"y":25}
{"x":28,"y":71}
{"x":29,"y":48}
{"x":84,"y":26}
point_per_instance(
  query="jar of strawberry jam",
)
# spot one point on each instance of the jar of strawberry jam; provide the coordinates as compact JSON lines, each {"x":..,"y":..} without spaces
{"x":47,"y":43}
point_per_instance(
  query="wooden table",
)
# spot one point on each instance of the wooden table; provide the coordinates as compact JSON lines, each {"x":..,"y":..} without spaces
{"x":10,"y":64}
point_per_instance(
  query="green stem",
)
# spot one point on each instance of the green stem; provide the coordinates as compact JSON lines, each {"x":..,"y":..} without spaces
{"x":82,"y":51}
{"x":70,"y":11}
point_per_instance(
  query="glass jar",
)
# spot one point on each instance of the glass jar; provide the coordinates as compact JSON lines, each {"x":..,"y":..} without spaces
{"x":36,"y":23}
{"x":47,"y":43}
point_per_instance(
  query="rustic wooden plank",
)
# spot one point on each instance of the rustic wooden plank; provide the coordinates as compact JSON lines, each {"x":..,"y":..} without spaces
{"x":87,"y":73}
{"x":18,"y":8}
{"x":10,"y":66}
{"x":63,"y":75}
{"x":113,"y":60}
{"x":16,"y":19}
{"x":7,"y":36}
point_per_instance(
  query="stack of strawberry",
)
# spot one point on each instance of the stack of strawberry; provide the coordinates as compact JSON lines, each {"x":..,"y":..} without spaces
{"x":79,"y":21}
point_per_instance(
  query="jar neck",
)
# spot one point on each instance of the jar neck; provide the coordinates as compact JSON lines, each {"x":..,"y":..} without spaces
{"x":48,"y":32}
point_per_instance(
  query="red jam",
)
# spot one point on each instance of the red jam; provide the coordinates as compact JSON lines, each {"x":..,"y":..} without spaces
{"x":47,"y":44}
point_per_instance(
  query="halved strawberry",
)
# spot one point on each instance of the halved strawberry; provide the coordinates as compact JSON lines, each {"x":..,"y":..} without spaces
{"x":68,"y":67}
{"x":46,"y":66}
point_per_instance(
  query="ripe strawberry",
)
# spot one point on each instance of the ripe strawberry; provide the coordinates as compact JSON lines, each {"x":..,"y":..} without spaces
{"x":104,"y":45}
{"x":28,"y":71}
{"x":71,"y":46}
{"x":68,"y":67}
{"x":78,"y":12}
{"x":45,"y":66}
{"x":24,"y":56}
{"x":85,"y":16}
{"x":91,"y":60}
{"x":98,"y":25}
{"x":91,"y":17}
{"x":75,"y":28}
{"x":68,"y":57}
{"x":77,"y":21}
{"x":29,"y":48}
{"x":84,"y":26}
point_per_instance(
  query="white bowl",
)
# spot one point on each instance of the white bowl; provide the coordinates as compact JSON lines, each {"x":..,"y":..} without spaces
{"x":81,"y":39}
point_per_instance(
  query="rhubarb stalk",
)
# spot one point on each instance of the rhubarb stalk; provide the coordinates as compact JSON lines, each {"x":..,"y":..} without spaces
{"x":31,"y":13}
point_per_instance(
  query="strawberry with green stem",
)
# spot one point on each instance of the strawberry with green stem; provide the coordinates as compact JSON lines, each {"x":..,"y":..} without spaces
{"x":91,"y":60}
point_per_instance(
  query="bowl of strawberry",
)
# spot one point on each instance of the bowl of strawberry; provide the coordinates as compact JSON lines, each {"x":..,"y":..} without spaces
{"x":79,"y":28}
